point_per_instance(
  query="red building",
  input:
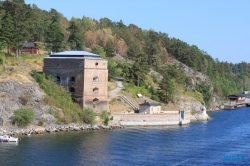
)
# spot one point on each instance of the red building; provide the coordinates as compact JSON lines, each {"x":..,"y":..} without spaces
{"x":29,"y":48}
{"x":238,"y":98}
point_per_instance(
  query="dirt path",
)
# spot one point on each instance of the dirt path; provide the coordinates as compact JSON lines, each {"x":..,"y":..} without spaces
{"x":114,"y":93}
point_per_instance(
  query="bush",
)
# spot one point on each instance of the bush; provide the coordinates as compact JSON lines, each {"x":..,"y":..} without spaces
{"x":1,"y":61}
{"x":24,"y":116}
{"x":88,"y":116}
{"x":105,"y":116}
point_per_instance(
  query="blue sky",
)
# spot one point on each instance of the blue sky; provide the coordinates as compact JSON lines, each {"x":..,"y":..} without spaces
{"x":221,"y":28}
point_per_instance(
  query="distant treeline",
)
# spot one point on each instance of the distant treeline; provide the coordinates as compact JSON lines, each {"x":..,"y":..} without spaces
{"x":144,"y":49}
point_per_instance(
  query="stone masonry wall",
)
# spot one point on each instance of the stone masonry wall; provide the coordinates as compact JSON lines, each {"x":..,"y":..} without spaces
{"x":96,"y":68}
{"x":88,"y":93}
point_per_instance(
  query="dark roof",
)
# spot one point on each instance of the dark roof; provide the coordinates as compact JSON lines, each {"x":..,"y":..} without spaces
{"x":150,"y":104}
{"x":236,"y":96}
{"x":28,"y":44}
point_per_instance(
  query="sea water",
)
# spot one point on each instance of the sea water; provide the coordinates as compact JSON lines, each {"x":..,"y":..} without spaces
{"x":224,"y":140}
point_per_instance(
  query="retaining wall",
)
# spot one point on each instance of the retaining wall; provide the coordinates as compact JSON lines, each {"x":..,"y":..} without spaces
{"x":169,"y":118}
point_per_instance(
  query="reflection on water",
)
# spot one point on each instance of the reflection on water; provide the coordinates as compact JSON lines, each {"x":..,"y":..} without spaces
{"x":201,"y":143}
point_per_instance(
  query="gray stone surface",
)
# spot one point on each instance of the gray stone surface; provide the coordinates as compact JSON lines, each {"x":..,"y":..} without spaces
{"x":15,"y":95}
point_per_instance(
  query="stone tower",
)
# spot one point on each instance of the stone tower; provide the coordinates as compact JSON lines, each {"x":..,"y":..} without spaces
{"x":83,"y":74}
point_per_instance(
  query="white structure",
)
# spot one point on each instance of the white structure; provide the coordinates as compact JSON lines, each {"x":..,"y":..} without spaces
{"x":204,"y":111}
{"x":150,"y":108}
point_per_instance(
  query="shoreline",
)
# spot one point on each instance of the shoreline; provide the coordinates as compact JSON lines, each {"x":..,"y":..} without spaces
{"x":17,"y":131}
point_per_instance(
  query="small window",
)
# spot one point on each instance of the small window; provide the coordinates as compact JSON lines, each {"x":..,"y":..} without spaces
{"x":95,"y":102}
{"x":96,"y":63}
{"x":96,"y":79}
{"x":95,"y":90}
{"x":72,"y":79}
{"x":72,"y":90}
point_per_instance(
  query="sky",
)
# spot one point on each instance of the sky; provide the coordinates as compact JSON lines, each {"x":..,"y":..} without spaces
{"x":220,"y":28}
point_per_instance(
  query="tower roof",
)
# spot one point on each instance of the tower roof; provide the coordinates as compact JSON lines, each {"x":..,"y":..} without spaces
{"x":75,"y":54}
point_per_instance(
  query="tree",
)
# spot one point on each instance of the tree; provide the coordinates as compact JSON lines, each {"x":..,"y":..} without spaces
{"x":24,"y":116}
{"x":205,"y":90}
{"x":75,"y":38}
{"x":55,"y":35}
{"x":109,"y":49}
{"x":20,"y":13}
{"x":7,"y":31}
{"x":99,"y":50}
{"x":168,"y":89}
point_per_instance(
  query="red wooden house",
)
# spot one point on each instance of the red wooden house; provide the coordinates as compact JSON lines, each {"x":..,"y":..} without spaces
{"x":237,"y":98}
{"x":29,"y":48}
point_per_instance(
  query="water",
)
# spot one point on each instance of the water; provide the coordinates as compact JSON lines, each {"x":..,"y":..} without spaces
{"x":225,"y":140}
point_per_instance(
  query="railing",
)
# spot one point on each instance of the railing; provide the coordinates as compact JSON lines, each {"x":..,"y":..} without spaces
{"x":129,"y":102}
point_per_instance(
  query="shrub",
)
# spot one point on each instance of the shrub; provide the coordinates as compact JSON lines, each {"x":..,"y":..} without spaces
{"x":88,"y":116}
{"x":24,"y":116}
{"x":25,"y":98}
{"x":1,"y":61}
{"x":105,"y":116}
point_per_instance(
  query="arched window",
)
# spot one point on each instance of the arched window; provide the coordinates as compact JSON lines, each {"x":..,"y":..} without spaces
{"x":95,"y":102}
{"x":72,"y":90}
{"x":95,"y":91}
{"x":95,"y":79}
{"x":57,"y":79}
{"x":72,"y":79}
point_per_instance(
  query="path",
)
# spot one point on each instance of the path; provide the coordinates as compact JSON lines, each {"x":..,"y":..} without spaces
{"x":114,"y":92}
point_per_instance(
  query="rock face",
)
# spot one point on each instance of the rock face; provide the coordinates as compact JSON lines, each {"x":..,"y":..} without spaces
{"x":15,"y":95}
{"x":196,"y":77}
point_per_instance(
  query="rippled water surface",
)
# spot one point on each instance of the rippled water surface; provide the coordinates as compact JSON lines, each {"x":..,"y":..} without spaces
{"x":200,"y":143}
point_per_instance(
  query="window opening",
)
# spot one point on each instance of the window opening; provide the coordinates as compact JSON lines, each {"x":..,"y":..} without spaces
{"x":72,"y":90}
{"x":96,"y":79}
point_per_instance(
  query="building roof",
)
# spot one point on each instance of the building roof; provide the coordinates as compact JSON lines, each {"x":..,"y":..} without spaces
{"x":28,"y":44}
{"x":235,"y":96}
{"x":75,"y":54}
{"x":150,"y":104}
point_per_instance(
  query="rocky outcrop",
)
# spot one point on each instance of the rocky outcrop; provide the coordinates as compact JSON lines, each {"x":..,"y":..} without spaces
{"x":15,"y":95}
{"x":196,"y":77}
{"x":198,"y":117}
{"x":56,"y":128}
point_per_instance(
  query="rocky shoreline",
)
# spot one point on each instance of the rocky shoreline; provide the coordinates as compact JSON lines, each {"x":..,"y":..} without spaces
{"x":10,"y":131}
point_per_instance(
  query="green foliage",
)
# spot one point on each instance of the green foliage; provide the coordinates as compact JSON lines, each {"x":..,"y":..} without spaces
{"x":99,"y":50}
{"x":111,"y":69}
{"x":105,"y":116}
{"x":75,"y":38}
{"x":168,"y":89}
{"x":24,"y":116}
{"x":88,"y":116}
{"x":205,"y":90}
{"x":54,"y":35}
{"x":132,"y":88}
{"x":1,"y":61}
{"x":195,"y":94}
{"x":57,"y":96}
{"x":109,"y":49}
{"x":7,"y":31}
{"x":144,"y":49}
{"x":25,"y":98}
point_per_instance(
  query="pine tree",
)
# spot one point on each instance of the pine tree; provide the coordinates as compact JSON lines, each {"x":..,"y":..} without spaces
{"x":55,"y":35}
{"x":7,"y":31}
{"x":76,"y":38}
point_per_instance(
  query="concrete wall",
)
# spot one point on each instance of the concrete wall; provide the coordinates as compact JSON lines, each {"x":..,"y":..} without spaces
{"x":169,"y":118}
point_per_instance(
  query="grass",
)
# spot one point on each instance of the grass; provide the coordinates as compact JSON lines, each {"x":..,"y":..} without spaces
{"x":66,"y":111}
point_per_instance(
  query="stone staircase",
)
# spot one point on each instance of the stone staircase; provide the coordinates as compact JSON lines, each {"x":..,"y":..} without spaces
{"x":124,"y":98}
